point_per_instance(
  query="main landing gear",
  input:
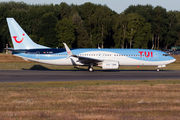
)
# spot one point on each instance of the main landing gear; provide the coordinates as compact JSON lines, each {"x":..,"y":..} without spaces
{"x":90,"y":68}
{"x":157,"y":69}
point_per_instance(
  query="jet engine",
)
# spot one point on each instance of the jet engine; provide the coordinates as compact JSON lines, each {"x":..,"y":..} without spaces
{"x":110,"y":65}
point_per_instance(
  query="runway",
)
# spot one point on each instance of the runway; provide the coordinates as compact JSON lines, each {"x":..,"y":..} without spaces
{"x":50,"y":75}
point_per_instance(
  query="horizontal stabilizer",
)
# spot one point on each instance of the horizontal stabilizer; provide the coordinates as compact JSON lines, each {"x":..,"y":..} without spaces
{"x":11,"y":49}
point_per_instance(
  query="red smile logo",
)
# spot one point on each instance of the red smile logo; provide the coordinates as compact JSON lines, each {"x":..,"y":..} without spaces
{"x":15,"y":38}
{"x":68,"y":52}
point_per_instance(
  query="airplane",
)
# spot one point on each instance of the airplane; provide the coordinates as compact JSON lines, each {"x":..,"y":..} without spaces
{"x":107,"y":59}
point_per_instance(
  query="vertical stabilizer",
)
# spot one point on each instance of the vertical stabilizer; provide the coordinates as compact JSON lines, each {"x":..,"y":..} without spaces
{"x":19,"y":37}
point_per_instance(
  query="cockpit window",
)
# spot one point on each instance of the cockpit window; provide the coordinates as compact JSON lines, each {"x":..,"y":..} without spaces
{"x":165,"y":55}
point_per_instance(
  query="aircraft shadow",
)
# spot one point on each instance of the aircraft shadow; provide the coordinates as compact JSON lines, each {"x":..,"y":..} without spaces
{"x":37,"y":67}
{"x":40,"y":67}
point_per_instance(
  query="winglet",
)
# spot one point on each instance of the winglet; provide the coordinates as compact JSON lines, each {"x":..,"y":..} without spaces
{"x":68,"y":50}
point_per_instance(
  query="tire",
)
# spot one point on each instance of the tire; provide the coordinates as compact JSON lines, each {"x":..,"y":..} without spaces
{"x":90,"y":69}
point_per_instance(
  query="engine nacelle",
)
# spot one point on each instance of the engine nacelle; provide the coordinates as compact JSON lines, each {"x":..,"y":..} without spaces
{"x":110,"y":65}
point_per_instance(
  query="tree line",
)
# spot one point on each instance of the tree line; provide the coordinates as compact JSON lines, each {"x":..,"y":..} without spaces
{"x":92,"y":25}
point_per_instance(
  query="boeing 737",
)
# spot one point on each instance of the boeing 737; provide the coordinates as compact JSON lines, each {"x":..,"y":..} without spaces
{"x":25,"y":48}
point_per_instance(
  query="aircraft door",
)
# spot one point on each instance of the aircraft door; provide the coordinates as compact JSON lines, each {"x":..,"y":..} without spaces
{"x":155,"y":56}
{"x":102,"y":55}
{"x":37,"y":55}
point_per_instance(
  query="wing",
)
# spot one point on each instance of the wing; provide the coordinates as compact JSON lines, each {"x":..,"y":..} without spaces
{"x":87,"y":60}
{"x":84,"y":60}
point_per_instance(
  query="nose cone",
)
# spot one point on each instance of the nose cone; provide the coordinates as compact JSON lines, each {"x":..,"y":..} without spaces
{"x":172,"y":59}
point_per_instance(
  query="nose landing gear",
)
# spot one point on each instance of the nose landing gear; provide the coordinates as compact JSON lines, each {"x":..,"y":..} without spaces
{"x":160,"y":66}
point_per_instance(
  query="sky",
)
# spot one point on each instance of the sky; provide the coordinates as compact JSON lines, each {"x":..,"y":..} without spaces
{"x":116,"y":5}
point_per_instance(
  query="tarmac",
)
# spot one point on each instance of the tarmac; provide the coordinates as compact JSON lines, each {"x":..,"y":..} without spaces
{"x":74,"y":75}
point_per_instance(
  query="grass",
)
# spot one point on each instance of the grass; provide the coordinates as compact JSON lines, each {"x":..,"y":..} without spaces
{"x":152,"y":99}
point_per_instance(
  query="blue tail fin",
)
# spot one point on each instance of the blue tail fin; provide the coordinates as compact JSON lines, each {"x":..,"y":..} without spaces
{"x":19,"y":37}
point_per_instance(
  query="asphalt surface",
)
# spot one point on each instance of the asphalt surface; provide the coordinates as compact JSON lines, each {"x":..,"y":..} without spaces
{"x":50,"y":75}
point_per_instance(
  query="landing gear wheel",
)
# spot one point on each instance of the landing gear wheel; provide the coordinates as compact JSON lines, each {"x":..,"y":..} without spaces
{"x":90,"y":69}
{"x":157,"y":69}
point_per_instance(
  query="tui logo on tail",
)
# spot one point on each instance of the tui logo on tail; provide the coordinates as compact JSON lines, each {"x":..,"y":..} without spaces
{"x":15,"y":38}
{"x":68,"y":52}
